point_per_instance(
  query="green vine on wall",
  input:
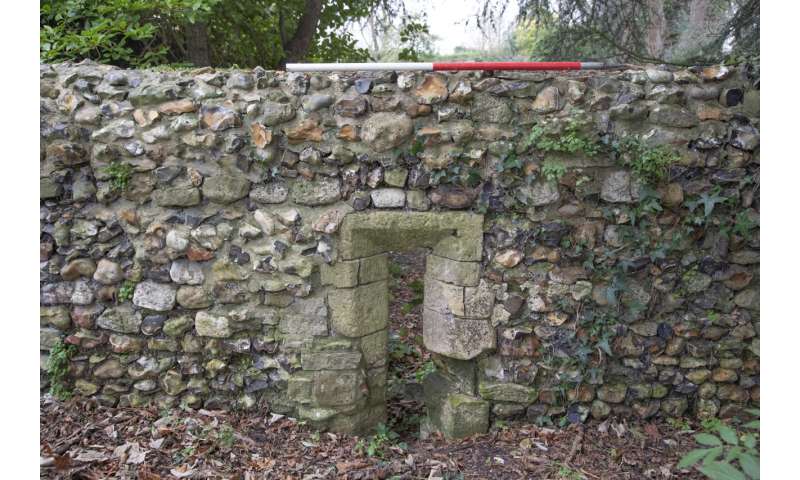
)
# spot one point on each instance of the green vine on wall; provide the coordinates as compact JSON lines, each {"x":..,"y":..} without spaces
{"x":58,"y":368}
{"x":649,"y":163}
{"x":120,"y":175}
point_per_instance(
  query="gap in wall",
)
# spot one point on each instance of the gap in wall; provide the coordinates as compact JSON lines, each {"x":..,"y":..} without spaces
{"x":409,"y":360}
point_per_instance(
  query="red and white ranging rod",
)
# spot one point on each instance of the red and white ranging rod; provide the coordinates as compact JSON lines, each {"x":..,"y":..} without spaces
{"x":446,"y":66}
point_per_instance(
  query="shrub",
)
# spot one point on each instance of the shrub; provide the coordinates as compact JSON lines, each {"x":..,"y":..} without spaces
{"x":728,"y":454}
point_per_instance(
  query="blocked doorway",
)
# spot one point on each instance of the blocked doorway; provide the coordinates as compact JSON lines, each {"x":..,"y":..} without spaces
{"x":456,"y":312}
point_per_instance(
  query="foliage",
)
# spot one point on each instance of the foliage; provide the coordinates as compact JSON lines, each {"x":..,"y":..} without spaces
{"x":565,"y":472}
{"x":58,"y":368}
{"x":553,"y":170}
{"x":120,"y":175}
{"x":700,"y":31}
{"x":709,"y":201}
{"x":378,"y":444}
{"x":426,"y":369}
{"x":226,"y":437}
{"x":125,"y":291}
{"x":118,"y":32}
{"x":728,"y":454}
{"x":649,"y":163}
{"x":744,"y":225}
{"x":417,"y":288}
{"x":143,"y":33}
{"x":569,"y":138}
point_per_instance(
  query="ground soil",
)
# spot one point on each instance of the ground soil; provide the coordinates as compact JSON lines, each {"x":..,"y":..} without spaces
{"x":83,"y":440}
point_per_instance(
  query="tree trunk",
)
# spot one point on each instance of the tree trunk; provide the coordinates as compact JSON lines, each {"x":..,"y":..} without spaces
{"x":297,"y":46}
{"x":197,"y":47}
{"x":656,"y":29}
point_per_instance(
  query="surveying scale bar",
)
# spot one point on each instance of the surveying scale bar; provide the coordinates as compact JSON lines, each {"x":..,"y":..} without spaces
{"x":447,"y":66}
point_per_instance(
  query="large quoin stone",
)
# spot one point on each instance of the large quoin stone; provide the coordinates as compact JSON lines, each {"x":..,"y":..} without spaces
{"x":359,"y":311}
{"x":452,"y":271}
{"x":464,"y":415}
{"x":455,"y":337}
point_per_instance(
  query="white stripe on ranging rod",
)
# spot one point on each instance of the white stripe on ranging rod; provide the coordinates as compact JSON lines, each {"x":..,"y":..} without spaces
{"x":359,"y":67}
{"x":445,"y":66}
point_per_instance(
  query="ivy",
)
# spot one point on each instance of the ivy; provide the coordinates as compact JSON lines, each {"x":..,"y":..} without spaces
{"x":567,"y":138}
{"x":553,"y":170}
{"x":650,"y":164}
{"x":58,"y":368}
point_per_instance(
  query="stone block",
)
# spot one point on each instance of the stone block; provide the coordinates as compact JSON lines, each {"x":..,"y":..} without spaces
{"x":461,"y":374}
{"x":363,"y":420}
{"x":444,"y":297}
{"x":376,"y":383}
{"x":299,"y":387}
{"x":463,"y":415}
{"x":338,"y":388}
{"x":388,"y":198}
{"x":330,"y":360}
{"x":342,"y":274}
{"x":359,"y":311}
{"x":452,"y":271}
{"x":374,"y":348}
{"x":305,"y":317}
{"x":365,"y":234}
{"x":455,"y":337}
{"x":478,"y":301}
{"x":508,"y":392}
{"x":373,"y":269}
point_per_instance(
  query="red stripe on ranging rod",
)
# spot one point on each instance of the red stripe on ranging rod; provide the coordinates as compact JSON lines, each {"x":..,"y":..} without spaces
{"x":507,"y":66}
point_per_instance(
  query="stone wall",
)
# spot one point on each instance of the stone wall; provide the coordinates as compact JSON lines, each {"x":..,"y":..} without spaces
{"x":217,"y":239}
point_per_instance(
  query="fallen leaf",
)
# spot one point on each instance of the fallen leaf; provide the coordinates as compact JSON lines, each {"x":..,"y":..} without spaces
{"x":274,"y":418}
{"x":184,"y":471}
{"x":91,"y":456}
{"x":137,"y":458}
{"x":156,"y":444}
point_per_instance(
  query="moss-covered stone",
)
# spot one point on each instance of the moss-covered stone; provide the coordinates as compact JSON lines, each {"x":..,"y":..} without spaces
{"x":373,"y":269}
{"x":464,"y":415}
{"x":455,"y":337}
{"x":359,"y":311}
{"x":338,"y":388}
{"x":508,"y":392}
{"x":452,"y":271}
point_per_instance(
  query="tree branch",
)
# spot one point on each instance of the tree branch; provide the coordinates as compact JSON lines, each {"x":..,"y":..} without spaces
{"x":297,"y":47}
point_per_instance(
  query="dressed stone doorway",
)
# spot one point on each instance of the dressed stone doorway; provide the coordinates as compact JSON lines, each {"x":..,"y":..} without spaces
{"x":347,"y":372}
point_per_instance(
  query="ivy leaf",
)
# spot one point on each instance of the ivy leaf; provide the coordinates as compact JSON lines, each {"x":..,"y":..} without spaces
{"x":707,"y":439}
{"x":692,"y":457}
{"x":750,"y":465}
{"x":721,"y":471}
{"x":749,"y":441}
{"x":710,"y":201}
{"x":728,"y":434}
